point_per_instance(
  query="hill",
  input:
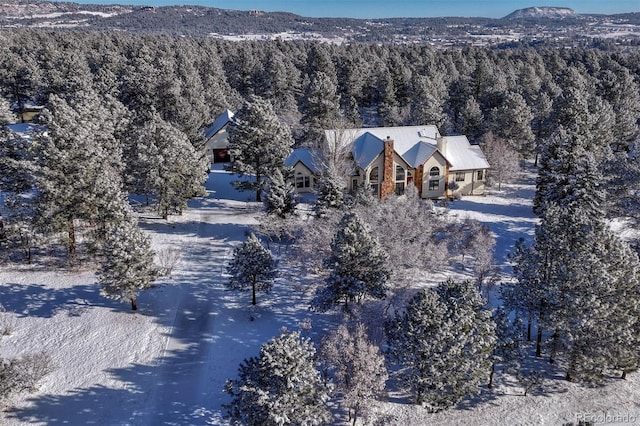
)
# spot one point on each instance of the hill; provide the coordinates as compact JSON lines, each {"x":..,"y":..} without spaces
{"x":542,"y":13}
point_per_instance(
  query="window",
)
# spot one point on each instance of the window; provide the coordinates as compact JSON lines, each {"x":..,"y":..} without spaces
{"x":400,"y":180}
{"x":434,"y":185}
{"x":354,"y":184}
{"x":409,"y":176}
{"x":373,"y":180}
{"x":435,"y":171}
{"x":460,"y":177}
{"x":479,"y":174}
{"x":302,"y":181}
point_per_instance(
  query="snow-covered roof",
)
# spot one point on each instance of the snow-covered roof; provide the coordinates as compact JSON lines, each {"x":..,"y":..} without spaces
{"x":415,"y":144}
{"x":419,"y":153}
{"x":366,"y":148}
{"x":25,"y":130}
{"x":218,"y":124}
{"x":304,"y":155}
{"x":462,"y":155}
{"x":27,"y":106}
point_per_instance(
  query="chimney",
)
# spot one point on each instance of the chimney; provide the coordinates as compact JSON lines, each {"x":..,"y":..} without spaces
{"x":388,"y":176}
{"x":442,"y":145}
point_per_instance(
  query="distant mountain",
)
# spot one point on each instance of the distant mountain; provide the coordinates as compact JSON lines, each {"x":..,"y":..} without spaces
{"x":542,"y":12}
{"x":524,"y":25}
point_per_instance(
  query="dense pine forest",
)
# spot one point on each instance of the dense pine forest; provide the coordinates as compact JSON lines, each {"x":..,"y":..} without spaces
{"x":123,"y":115}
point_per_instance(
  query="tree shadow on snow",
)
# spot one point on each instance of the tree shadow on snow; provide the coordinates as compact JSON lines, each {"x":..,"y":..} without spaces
{"x":38,"y":300}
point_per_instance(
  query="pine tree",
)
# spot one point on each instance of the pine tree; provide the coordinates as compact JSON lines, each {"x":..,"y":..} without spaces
{"x":569,"y":176}
{"x":162,"y":163}
{"x":358,"y":268}
{"x":513,"y":124}
{"x":358,"y":368}
{"x":509,"y":350}
{"x":128,"y":263}
{"x":320,"y":107}
{"x":443,"y":343}
{"x":471,"y":120}
{"x":73,"y":155}
{"x":258,"y":144}
{"x":280,"y":199}
{"x":280,"y":387}
{"x":330,"y":195}
{"x":253,"y":266}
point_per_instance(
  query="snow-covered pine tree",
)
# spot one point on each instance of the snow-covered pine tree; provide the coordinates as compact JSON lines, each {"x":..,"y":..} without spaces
{"x":569,"y":176}
{"x":358,"y":368}
{"x":358,"y":268}
{"x":258,"y":144}
{"x":72,"y":154}
{"x":280,"y":199}
{"x":509,"y":349}
{"x":127,"y":266}
{"x":526,"y":295}
{"x":281,"y":386}
{"x":6,"y":116}
{"x":598,"y":320}
{"x":330,"y":195}
{"x":253,"y":267}
{"x":17,"y":167}
{"x":161,"y":162}
{"x":442,"y":343}
{"x":512,"y":124}
{"x":320,"y":107}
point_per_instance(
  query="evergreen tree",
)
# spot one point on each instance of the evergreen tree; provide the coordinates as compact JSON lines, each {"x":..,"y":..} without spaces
{"x":358,"y":268}
{"x":509,"y":350}
{"x":569,"y":176}
{"x":73,"y":156}
{"x":470,"y":120}
{"x":320,"y":108}
{"x":358,"y":368}
{"x":429,"y":100}
{"x":513,"y":124}
{"x":162,"y":163}
{"x":17,"y":169}
{"x":443,"y":343}
{"x":330,"y":195}
{"x":258,"y":144}
{"x":280,"y":387}
{"x":280,"y":199}
{"x":128,"y":263}
{"x":253,"y":266}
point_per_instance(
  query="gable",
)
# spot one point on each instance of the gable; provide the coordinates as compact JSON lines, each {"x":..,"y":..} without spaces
{"x":304,"y":156}
{"x":218,"y":124}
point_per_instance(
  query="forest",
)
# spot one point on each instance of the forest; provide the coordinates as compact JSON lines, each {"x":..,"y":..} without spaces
{"x":123,"y":116}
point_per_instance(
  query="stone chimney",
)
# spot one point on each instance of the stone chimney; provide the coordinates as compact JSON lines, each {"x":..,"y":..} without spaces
{"x":388,"y":176}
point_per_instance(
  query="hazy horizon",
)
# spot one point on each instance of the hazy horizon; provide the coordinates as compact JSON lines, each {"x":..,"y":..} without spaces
{"x":404,"y":8}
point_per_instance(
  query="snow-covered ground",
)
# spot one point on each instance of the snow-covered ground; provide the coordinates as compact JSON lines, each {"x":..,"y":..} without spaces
{"x":167,"y":362}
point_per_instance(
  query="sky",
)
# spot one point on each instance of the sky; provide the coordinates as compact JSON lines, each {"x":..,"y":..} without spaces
{"x":398,"y":8}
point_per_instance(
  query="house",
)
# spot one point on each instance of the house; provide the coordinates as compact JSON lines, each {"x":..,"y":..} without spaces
{"x":387,"y":159}
{"x":305,"y":169}
{"x":216,"y":138}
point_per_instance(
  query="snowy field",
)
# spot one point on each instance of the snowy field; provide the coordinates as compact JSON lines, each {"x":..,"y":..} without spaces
{"x":166,"y":364}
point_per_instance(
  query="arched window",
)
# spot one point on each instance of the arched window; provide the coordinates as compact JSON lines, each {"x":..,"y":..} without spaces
{"x":435,"y":171}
